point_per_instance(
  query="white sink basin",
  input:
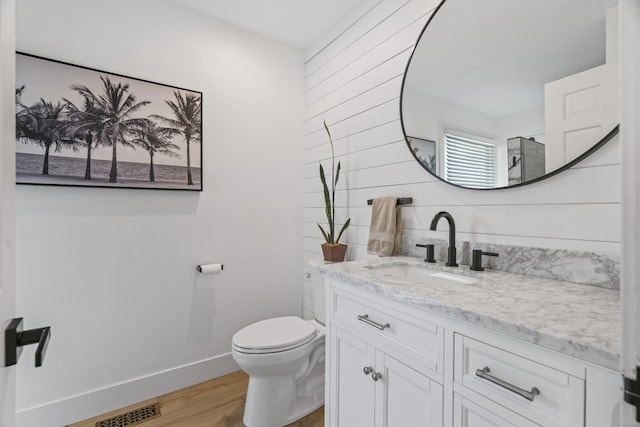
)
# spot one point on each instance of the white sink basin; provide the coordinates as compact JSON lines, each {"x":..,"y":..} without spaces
{"x":416,"y":273}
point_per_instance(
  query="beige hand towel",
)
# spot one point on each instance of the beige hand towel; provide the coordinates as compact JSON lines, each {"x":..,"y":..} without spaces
{"x":385,"y":231}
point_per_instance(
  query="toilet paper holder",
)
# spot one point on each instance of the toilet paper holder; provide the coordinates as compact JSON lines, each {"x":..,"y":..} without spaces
{"x":15,"y":338}
{"x":200,"y":267}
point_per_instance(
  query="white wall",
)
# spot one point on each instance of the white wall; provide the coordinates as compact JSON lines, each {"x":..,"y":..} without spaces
{"x":527,"y":123}
{"x":353,"y":81}
{"x":113,"y":271}
{"x":426,"y":116}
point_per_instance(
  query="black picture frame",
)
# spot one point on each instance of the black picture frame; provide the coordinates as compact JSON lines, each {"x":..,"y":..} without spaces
{"x":70,"y":117}
{"x":424,"y":151}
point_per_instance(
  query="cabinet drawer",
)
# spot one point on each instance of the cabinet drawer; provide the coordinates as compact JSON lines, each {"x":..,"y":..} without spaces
{"x":482,"y":413}
{"x":421,"y":340}
{"x":553,"y":397}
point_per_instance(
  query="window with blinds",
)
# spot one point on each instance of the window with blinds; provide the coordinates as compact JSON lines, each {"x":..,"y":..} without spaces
{"x":469,"y":162}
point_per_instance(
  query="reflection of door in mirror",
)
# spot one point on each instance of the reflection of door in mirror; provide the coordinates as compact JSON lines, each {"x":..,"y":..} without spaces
{"x":582,"y":108}
{"x":543,"y":70}
{"x":579,"y":111}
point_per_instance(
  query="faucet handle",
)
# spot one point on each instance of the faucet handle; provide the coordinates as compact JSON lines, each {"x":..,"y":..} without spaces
{"x":476,"y":259}
{"x":430,"y":253}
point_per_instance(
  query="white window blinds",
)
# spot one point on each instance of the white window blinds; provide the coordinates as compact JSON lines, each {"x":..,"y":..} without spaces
{"x":469,"y":162}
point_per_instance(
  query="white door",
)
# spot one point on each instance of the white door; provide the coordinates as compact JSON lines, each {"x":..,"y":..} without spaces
{"x":352,"y":393}
{"x":630,"y":142}
{"x":7,"y":201}
{"x":406,"y":397}
{"x":579,"y":111}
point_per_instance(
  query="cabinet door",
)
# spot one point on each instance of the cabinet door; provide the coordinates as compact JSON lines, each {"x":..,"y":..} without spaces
{"x":467,"y":413}
{"x":603,"y":398}
{"x":406,"y":397}
{"x":352,"y":391}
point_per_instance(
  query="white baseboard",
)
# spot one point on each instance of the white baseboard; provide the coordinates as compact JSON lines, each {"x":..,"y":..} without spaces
{"x":95,"y":402}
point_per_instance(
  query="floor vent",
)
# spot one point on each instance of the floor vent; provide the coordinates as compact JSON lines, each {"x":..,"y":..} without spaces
{"x":132,"y":418}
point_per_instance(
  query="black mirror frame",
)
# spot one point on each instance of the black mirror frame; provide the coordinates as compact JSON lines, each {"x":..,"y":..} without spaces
{"x":609,"y":136}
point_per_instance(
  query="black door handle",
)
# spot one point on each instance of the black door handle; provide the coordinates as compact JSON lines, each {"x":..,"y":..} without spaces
{"x":15,"y":338}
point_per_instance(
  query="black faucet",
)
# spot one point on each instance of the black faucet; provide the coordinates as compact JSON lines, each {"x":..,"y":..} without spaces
{"x":451,"y":252}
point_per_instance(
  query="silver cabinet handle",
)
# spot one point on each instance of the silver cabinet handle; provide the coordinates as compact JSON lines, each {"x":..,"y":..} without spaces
{"x":307,"y":275}
{"x":529,"y":395}
{"x":365,"y":318}
{"x":367,"y":370}
{"x":376,"y":376}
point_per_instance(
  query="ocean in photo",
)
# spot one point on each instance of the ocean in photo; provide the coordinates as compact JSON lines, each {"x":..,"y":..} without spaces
{"x":63,"y":170}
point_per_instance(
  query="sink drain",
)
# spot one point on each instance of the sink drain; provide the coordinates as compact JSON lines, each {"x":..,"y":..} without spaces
{"x":132,"y":418}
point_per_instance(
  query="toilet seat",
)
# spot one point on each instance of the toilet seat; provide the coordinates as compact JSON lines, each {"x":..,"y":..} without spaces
{"x":274,"y":335}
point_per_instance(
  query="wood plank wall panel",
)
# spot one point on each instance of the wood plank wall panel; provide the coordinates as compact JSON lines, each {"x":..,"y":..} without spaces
{"x":353,"y":82}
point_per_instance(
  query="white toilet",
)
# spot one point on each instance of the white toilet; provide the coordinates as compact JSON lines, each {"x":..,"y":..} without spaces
{"x":284,"y":358}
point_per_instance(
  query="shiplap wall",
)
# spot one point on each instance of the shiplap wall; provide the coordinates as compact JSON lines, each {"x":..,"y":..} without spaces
{"x":354,"y":79}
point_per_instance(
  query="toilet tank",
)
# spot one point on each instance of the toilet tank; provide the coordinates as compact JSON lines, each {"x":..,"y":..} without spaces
{"x":317,"y":293}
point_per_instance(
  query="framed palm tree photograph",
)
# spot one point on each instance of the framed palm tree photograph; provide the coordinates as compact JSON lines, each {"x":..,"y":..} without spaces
{"x":78,"y":126}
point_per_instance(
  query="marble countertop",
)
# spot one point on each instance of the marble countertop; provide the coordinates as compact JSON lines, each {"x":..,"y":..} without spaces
{"x":577,"y":320}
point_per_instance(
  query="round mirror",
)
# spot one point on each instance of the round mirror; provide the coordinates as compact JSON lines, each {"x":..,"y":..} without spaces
{"x":500,"y":93}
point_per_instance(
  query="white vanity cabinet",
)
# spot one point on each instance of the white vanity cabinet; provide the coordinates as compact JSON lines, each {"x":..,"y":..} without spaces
{"x":382,"y":366}
{"x":394,"y":365}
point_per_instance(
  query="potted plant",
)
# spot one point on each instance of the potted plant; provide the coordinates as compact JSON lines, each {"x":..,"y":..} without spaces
{"x":332,"y":249}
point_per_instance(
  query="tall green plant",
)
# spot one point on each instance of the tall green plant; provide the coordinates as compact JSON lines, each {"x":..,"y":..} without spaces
{"x":329,"y":198}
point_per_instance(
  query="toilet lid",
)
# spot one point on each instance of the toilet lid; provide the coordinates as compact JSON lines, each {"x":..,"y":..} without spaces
{"x":280,"y":333}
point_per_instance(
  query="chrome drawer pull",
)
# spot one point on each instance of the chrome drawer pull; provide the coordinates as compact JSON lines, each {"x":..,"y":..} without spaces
{"x":376,"y":376}
{"x":365,"y":318}
{"x":529,"y":395}
{"x":367,"y":370}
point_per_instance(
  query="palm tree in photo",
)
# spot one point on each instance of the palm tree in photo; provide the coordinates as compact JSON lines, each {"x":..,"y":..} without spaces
{"x":117,"y":105}
{"x":154,"y":140}
{"x":82,"y":125}
{"x":21,"y":113}
{"x":19,"y":91}
{"x":41,"y":124}
{"x":187,"y":121}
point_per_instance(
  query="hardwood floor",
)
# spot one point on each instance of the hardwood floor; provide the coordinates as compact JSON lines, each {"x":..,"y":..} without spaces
{"x":215,"y":403}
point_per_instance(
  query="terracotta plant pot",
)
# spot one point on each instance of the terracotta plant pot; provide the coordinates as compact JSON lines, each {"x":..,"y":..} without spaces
{"x":334,"y":253}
